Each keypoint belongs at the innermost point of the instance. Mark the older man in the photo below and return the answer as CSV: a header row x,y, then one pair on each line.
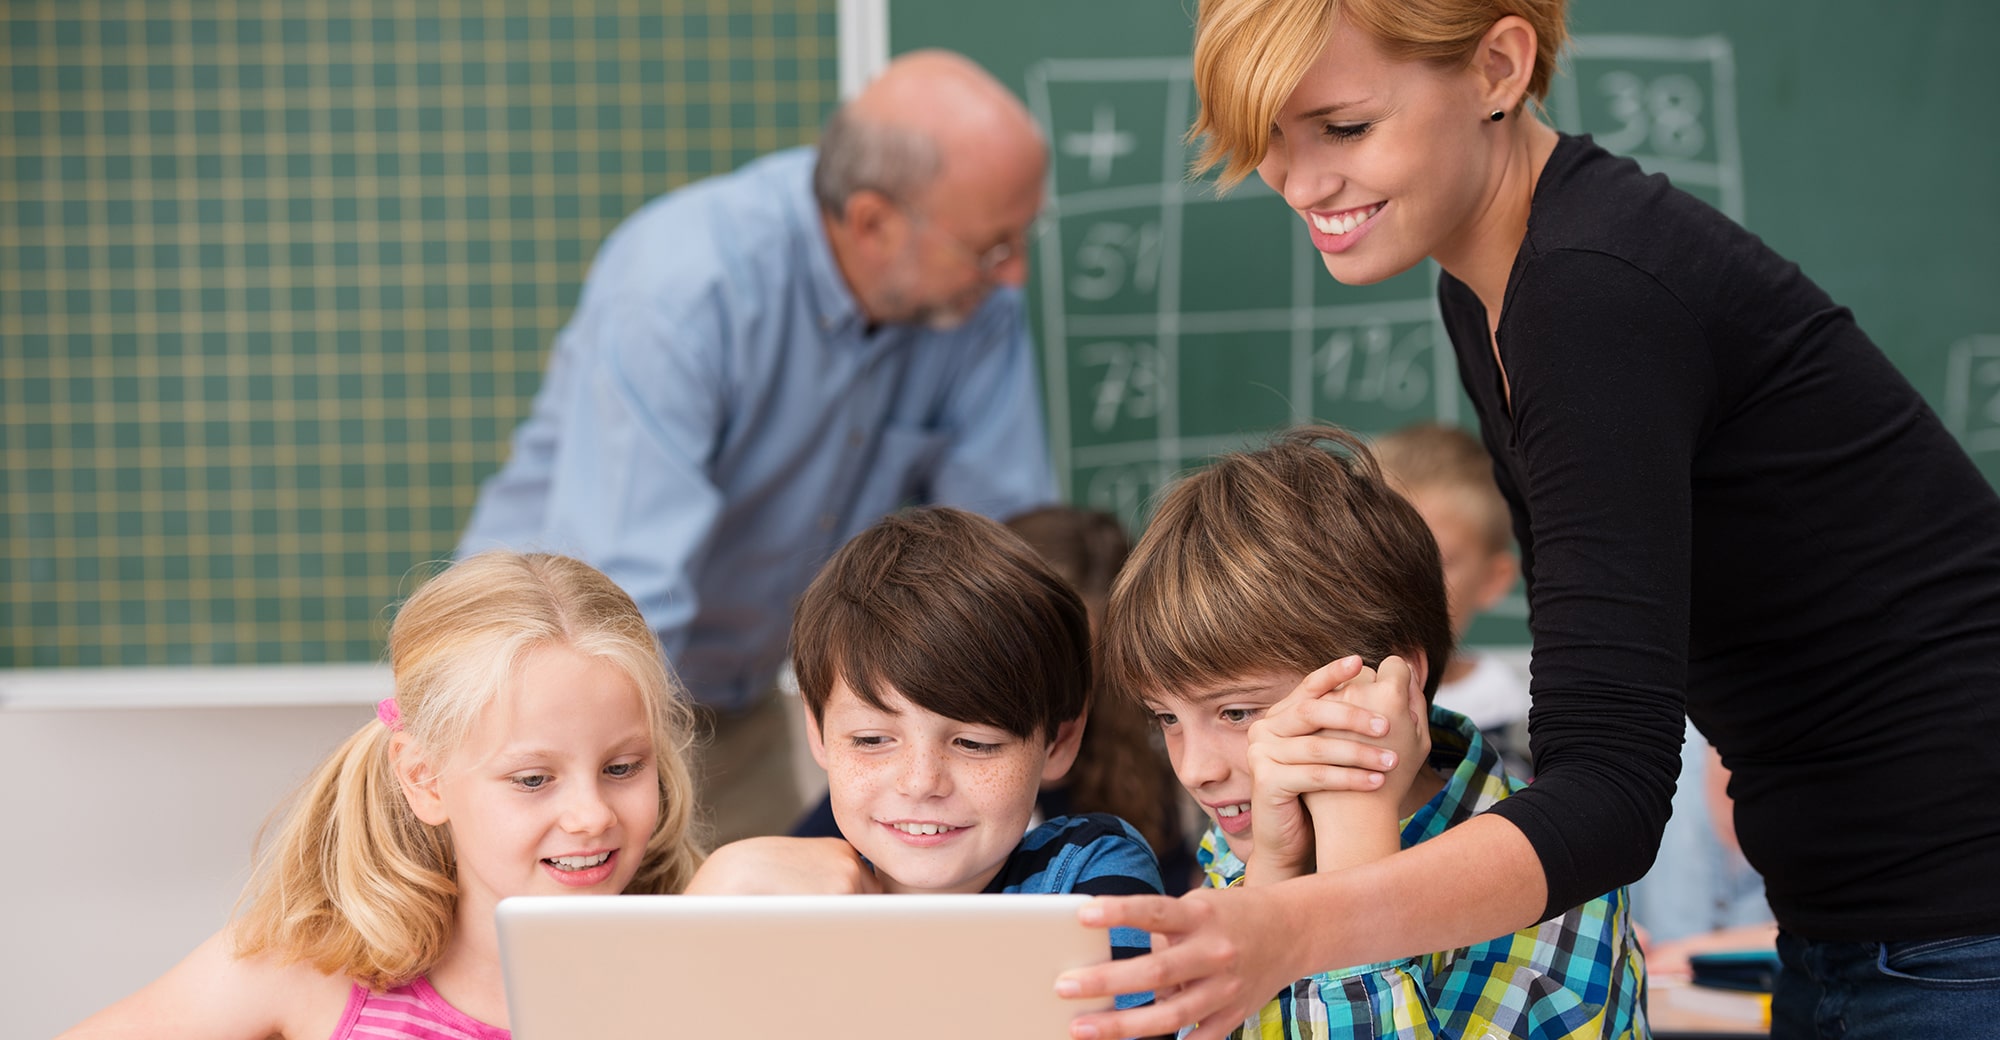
x,y
762,364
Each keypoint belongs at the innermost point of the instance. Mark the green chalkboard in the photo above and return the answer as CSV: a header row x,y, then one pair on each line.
x,y
277,279
1173,324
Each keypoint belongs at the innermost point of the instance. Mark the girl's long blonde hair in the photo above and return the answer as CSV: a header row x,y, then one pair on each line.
x,y
353,883
1250,54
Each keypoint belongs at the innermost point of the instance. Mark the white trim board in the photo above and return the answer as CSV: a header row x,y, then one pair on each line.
x,y
864,43
60,689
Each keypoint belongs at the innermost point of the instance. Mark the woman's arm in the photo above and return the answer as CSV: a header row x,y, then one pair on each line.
x,y
1613,393
1229,951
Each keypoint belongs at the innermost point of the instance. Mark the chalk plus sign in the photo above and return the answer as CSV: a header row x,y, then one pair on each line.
x,y
1104,143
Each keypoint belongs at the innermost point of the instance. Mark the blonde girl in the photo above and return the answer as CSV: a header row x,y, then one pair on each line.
x,y
1732,509
535,744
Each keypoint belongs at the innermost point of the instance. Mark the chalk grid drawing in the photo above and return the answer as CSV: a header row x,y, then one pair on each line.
x,y
1169,334
1972,397
1668,102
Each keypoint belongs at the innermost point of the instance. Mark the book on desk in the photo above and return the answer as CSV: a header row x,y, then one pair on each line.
x,y
1728,998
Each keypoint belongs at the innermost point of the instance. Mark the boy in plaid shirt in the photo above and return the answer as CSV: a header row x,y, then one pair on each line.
x,y
1250,575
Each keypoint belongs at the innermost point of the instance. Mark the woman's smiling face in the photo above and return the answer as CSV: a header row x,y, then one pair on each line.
x,y
1387,162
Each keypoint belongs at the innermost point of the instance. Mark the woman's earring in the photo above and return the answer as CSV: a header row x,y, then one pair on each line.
x,y
1498,115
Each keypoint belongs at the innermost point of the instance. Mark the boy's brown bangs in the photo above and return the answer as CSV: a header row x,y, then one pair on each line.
x,y
953,612
1281,559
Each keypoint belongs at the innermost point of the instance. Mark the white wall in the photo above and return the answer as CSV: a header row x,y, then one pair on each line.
x,y
128,833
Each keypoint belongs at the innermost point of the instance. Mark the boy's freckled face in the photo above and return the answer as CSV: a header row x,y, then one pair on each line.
x,y
1207,734
937,805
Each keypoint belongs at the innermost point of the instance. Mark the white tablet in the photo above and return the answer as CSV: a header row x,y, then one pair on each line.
x,y
973,967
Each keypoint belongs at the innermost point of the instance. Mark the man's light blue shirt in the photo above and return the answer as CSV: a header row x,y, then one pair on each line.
x,y
716,419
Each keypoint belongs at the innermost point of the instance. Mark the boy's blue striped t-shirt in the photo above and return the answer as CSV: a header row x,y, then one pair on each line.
x,y
1092,854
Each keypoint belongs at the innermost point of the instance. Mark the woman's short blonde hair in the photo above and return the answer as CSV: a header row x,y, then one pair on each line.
x,y
353,882
1250,54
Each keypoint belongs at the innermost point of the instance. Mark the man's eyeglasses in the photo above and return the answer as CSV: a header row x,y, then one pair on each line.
x,y
987,260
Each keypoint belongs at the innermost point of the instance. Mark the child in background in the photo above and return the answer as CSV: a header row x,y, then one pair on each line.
x,y
1119,769
535,745
1447,475
1253,572
945,671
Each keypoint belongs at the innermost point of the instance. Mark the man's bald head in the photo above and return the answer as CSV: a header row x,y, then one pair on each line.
x,y
929,185
931,116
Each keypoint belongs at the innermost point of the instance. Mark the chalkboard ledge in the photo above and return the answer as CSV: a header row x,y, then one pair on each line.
x,y
302,685
63,689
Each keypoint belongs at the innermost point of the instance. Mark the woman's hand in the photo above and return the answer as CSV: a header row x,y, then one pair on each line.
x,y
785,866
1218,955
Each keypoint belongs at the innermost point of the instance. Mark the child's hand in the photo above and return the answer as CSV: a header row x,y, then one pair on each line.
x,y
785,866
1393,693
1355,827
1324,748
1280,773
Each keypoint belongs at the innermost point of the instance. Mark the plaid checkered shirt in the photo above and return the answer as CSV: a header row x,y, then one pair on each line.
x,y
1578,976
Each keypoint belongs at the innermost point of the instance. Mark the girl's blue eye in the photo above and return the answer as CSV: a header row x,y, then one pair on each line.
x,y
1345,131
621,770
534,782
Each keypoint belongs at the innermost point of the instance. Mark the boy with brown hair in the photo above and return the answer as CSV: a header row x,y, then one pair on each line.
x,y
945,671
1251,575
1119,768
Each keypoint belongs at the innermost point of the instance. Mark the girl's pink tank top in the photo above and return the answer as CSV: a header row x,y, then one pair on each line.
x,y
409,1012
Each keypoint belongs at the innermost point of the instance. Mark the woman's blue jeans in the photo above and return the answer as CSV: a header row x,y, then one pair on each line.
x,y
1933,989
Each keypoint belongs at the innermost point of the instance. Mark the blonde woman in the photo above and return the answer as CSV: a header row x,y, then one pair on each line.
x,y
535,745
1728,501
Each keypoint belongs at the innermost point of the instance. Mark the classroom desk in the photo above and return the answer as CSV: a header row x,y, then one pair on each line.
x,y
1679,1010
